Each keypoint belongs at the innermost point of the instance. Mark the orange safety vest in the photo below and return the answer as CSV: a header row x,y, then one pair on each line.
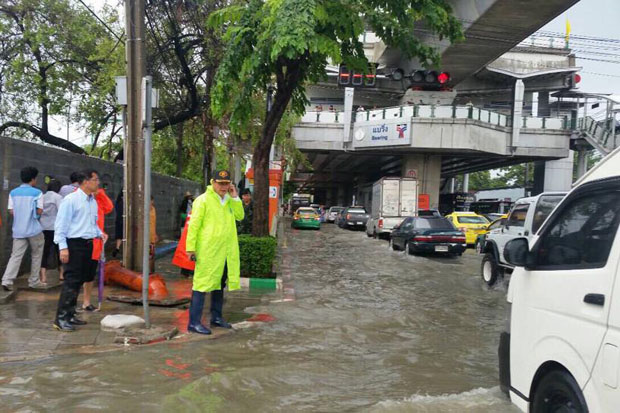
x,y
180,257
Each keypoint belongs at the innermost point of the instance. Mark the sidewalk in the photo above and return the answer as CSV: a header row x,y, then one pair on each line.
x,y
26,331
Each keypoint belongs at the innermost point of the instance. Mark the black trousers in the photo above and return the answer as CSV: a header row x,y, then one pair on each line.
x,y
81,268
50,258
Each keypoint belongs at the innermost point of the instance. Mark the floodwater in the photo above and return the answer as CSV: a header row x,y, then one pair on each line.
x,y
370,330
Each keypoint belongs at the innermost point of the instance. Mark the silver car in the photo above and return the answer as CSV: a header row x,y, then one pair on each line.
x,y
333,213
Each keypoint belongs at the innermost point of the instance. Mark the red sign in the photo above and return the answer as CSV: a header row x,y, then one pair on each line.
x,y
424,201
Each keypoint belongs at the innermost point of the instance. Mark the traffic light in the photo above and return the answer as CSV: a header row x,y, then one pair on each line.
x,y
348,77
428,79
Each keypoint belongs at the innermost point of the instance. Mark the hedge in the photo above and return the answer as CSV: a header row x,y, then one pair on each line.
x,y
257,255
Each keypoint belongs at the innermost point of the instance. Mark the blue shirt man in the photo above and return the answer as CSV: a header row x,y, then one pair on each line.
x,y
26,202
26,205
74,231
77,218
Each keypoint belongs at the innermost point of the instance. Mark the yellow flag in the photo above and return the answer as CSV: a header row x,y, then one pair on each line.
x,y
567,30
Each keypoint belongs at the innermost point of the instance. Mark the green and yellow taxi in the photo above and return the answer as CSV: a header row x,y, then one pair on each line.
x,y
470,223
306,217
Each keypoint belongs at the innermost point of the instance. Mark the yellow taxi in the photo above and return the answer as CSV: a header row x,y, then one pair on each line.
x,y
470,223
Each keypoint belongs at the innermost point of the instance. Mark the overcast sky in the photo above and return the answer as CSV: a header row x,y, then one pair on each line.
x,y
594,18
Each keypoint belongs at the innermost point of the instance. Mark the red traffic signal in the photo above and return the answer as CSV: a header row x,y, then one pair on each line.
x,y
428,79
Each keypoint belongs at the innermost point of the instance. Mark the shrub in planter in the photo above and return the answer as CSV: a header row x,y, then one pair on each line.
x,y
257,255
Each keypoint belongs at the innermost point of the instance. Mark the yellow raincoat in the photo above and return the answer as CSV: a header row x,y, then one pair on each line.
x,y
212,235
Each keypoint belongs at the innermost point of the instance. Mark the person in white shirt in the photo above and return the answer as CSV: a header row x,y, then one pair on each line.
x,y
51,203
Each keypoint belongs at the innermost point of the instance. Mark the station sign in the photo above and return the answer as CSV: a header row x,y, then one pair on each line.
x,y
382,133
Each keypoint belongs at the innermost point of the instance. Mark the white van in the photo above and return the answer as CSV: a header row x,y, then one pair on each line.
x,y
561,348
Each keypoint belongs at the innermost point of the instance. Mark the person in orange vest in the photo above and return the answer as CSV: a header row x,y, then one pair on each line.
x,y
104,207
180,258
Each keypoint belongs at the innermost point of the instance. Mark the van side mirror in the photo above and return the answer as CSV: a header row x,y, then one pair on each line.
x,y
517,252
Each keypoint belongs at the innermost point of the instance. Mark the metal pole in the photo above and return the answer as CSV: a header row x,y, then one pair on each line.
x,y
147,85
134,155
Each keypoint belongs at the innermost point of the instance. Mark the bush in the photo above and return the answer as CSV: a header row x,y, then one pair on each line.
x,y
257,255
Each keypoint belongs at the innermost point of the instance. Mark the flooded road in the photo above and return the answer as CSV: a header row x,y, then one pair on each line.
x,y
370,330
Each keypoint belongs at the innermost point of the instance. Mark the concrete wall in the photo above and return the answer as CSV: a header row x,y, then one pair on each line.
x,y
15,154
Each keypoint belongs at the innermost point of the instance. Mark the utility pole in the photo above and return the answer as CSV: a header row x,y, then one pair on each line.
x,y
134,144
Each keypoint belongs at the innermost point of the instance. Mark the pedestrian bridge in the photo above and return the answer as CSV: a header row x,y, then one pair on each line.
x,y
437,129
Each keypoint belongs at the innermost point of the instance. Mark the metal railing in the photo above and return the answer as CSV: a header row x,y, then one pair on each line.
x,y
436,112
603,135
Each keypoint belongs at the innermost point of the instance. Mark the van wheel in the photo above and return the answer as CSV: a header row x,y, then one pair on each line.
x,y
489,269
374,234
558,392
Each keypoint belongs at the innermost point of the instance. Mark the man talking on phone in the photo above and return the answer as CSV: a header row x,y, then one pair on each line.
x,y
212,243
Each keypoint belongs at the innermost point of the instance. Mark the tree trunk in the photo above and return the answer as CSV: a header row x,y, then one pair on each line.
x,y
179,130
209,136
260,159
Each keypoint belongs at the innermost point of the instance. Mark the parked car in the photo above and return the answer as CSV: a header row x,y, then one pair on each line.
x,y
560,351
427,234
332,214
470,223
353,217
306,217
481,239
525,218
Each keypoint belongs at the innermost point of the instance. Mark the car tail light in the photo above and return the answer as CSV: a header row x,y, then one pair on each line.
x,y
296,217
348,216
317,218
458,238
422,238
380,223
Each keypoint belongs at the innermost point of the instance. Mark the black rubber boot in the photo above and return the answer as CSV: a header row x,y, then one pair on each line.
x,y
195,314
217,304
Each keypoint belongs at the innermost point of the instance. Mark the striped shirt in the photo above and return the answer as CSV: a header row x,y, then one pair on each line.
x,y
24,201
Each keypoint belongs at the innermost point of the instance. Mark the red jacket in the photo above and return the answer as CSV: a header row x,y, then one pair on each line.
x,y
104,207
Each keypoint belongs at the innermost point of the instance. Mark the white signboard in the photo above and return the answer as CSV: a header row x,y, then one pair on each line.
x,y
382,133
273,192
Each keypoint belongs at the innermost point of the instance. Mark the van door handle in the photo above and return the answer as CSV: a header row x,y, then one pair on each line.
x,y
596,299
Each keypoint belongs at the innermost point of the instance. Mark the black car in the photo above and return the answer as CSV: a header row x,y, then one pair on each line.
x,y
428,234
429,213
352,217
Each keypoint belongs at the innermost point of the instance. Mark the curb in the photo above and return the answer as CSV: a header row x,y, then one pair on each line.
x,y
261,283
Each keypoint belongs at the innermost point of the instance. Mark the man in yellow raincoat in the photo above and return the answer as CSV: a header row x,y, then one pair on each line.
x,y
212,243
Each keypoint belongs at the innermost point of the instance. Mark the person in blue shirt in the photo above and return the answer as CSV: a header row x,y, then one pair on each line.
x,y
74,231
25,205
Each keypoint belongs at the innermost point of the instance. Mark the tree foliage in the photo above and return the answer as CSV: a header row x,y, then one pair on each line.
x,y
289,43
53,53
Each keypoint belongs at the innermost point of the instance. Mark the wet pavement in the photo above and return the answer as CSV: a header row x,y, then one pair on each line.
x,y
370,329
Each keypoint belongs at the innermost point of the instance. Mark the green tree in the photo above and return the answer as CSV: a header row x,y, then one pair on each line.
x,y
52,51
289,42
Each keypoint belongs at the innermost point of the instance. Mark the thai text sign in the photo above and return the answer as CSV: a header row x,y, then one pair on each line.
x,y
381,133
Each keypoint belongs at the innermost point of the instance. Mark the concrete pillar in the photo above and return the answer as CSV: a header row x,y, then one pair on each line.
x,y
466,183
535,104
428,170
342,197
544,109
559,174
517,111
452,185
582,163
